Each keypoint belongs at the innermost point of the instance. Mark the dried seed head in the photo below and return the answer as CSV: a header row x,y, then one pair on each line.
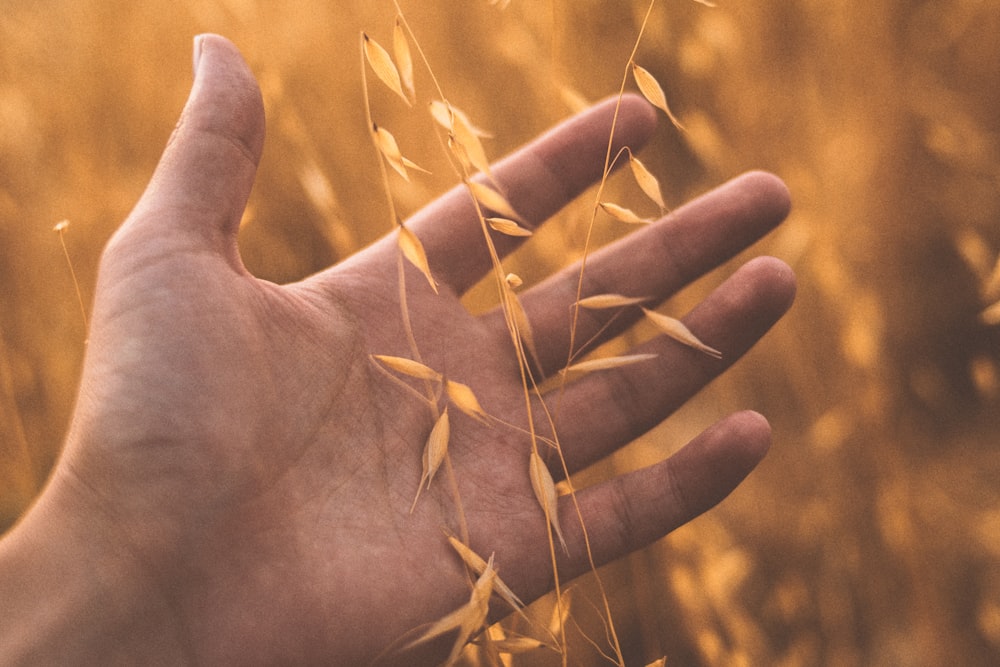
x,y
478,565
413,250
647,182
623,214
401,49
408,367
381,63
492,200
508,227
545,493
435,450
602,301
679,332
608,363
465,400
652,91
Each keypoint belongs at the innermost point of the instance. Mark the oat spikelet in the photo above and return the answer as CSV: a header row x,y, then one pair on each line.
x,y
508,643
662,662
408,367
413,250
652,91
464,399
492,200
521,322
517,644
472,152
445,113
434,452
401,49
478,565
560,614
603,301
508,227
387,146
608,363
545,492
679,332
381,63
623,214
647,182
513,280
466,619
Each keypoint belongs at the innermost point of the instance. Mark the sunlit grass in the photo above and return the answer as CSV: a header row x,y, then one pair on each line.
x,y
869,536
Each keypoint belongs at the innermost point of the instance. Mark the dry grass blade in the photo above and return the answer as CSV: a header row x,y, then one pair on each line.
x,y
413,250
608,363
463,398
478,565
492,200
60,229
434,452
401,49
676,330
623,214
707,3
466,619
381,63
647,182
545,492
508,227
408,367
652,91
604,301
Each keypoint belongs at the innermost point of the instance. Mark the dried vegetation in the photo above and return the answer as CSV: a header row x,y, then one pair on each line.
x,y
872,533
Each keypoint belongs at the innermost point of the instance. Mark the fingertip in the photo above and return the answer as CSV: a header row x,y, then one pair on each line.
x,y
226,93
711,466
754,432
777,279
203,180
639,116
769,193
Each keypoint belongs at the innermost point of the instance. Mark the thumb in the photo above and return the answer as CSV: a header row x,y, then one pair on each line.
x,y
200,187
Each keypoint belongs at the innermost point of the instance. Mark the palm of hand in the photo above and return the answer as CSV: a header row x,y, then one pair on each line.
x,y
262,469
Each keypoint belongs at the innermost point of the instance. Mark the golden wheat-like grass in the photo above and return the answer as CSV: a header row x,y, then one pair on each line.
x,y
880,492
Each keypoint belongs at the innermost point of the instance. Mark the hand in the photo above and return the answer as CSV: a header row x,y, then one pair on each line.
x,y
237,481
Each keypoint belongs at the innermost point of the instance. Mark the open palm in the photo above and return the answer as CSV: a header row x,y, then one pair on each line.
x,y
238,446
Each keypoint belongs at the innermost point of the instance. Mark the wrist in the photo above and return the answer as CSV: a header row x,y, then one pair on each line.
x,y
70,594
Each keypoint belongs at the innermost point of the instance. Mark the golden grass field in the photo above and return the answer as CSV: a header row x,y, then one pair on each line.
x,y
871,533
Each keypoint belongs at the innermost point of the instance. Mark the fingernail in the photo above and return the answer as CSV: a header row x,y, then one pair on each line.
x,y
198,40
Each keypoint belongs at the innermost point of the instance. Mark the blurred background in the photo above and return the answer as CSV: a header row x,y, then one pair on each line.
x,y
871,534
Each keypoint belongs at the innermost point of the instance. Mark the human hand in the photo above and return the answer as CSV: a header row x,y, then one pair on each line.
x,y
239,475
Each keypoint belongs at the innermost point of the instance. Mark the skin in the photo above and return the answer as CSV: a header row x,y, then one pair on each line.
x,y
237,480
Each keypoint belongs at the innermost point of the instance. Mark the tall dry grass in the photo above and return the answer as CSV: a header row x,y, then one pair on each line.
x,y
871,534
